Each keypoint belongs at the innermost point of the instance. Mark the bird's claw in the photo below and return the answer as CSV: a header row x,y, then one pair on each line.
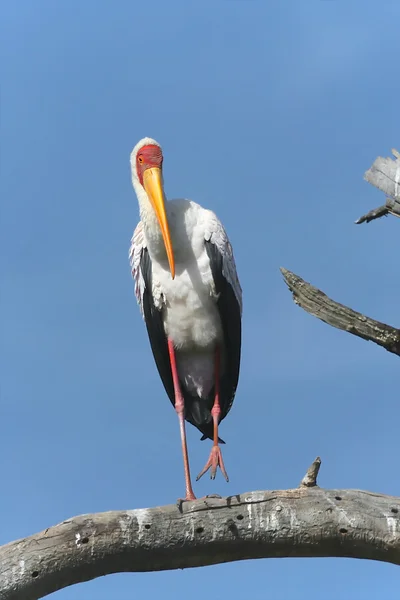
x,y
180,501
215,460
189,497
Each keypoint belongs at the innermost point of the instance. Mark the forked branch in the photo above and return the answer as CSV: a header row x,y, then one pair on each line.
x,y
318,304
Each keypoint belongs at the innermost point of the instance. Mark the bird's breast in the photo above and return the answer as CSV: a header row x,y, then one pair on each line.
x,y
190,313
188,302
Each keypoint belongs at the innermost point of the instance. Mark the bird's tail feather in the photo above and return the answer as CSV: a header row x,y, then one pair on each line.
x,y
210,437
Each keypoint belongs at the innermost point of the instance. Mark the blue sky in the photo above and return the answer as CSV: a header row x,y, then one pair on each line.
x,y
268,113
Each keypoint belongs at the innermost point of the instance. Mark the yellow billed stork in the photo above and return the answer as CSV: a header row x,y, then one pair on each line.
x,y
191,301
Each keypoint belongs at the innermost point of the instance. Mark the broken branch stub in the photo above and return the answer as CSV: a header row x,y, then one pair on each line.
x,y
310,478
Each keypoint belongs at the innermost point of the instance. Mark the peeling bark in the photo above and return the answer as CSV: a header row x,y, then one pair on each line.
x,y
318,304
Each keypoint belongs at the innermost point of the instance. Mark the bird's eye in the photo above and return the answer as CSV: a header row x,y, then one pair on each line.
x,y
140,159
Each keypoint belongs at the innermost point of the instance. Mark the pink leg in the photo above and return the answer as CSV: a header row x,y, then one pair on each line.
x,y
180,409
215,460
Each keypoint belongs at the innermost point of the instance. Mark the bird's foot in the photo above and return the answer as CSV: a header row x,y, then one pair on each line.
x,y
215,460
180,501
189,496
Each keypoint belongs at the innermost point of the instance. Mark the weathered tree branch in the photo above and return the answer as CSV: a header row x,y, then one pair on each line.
x,y
318,304
385,175
307,521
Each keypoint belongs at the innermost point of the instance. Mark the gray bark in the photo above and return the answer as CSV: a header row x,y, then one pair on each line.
x,y
307,521
385,175
318,304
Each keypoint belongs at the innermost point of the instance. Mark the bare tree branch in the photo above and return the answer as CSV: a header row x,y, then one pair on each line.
x,y
318,304
385,175
307,521
375,213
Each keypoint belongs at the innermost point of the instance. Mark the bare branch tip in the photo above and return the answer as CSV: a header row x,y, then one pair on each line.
x,y
310,478
284,272
289,277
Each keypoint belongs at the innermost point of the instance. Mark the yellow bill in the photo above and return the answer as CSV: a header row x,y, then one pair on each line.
x,y
152,183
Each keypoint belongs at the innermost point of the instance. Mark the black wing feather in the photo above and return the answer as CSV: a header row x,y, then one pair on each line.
x,y
155,328
231,319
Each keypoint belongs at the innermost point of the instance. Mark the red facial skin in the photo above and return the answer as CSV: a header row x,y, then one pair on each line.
x,y
147,157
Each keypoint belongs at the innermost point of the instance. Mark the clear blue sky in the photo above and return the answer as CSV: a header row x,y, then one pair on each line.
x,y
269,113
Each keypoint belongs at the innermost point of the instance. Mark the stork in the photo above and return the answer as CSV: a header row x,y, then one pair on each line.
x,y
190,298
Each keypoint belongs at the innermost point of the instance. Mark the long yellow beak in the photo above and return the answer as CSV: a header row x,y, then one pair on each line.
x,y
152,183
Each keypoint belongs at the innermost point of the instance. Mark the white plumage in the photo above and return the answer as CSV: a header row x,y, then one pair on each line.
x,y
188,302
189,305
